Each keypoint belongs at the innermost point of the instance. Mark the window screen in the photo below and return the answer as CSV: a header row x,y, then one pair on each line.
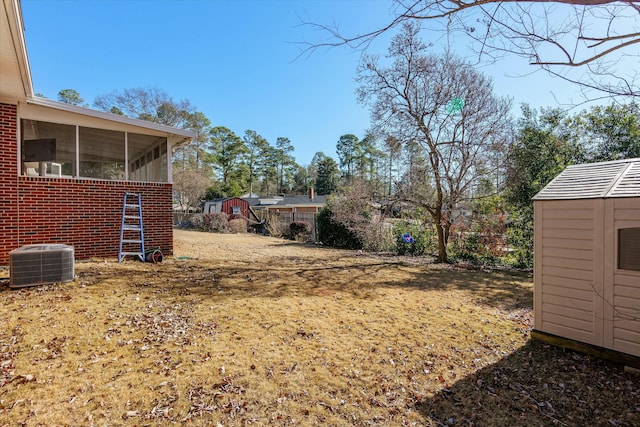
x,y
48,149
629,249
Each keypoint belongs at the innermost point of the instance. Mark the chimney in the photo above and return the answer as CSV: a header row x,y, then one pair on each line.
x,y
311,196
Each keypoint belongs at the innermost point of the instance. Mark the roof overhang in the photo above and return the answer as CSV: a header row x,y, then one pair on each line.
x,y
15,73
88,117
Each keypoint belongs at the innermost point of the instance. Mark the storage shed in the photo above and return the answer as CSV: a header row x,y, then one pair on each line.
x,y
235,207
587,259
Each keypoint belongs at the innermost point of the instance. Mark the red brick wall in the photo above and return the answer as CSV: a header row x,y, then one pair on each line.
x,y
80,212
8,180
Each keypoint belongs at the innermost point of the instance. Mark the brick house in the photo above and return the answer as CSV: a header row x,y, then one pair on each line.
x,y
289,208
64,169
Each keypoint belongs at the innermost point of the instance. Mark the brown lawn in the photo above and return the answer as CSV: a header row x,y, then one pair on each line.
x,y
251,330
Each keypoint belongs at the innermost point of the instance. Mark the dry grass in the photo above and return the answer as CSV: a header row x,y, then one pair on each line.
x,y
256,330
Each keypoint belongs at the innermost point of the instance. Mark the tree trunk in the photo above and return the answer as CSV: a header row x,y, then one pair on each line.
x,y
442,241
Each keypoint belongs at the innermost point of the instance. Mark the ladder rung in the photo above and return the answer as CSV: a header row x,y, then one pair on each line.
x,y
132,241
132,227
132,253
131,217
130,206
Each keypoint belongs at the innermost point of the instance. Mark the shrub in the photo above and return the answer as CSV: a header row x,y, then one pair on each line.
x,y
238,225
271,224
333,233
423,242
300,230
466,247
520,238
216,222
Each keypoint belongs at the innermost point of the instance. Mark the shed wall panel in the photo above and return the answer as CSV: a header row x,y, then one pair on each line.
x,y
570,224
628,324
561,253
564,282
569,322
622,302
567,213
627,347
631,203
564,233
567,331
626,214
566,274
567,243
568,262
568,302
631,292
555,307
576,294
627,344
624,285
622,279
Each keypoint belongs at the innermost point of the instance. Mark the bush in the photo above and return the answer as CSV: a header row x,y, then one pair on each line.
x,y
520,238
423,242
215,222
272,226
238,225
466,247
475,248
333,233
300,231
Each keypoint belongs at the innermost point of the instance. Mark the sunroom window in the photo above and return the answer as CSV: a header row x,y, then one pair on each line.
x,y
147,158
48,149
101,153
57,150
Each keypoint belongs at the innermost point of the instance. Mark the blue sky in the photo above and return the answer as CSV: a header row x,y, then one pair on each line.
x,y
235,61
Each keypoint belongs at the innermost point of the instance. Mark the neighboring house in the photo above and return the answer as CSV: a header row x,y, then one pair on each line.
x,y
235,207
64,169
295,208
288,209
587,260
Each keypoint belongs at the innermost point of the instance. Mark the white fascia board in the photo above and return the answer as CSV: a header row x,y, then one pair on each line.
x,y
184,133
13,10
25,68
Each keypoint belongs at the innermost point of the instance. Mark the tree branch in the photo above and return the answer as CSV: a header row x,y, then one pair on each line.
x,y
513,27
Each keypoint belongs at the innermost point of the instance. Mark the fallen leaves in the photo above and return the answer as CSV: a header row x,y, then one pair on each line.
x,y
278,333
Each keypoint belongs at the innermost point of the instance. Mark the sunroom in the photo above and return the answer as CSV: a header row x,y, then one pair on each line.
x,y
59,140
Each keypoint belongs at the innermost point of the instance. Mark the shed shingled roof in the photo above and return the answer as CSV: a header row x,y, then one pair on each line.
x,y
619,178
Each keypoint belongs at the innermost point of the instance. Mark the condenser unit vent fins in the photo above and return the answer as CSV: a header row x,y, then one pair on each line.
x,y
41,264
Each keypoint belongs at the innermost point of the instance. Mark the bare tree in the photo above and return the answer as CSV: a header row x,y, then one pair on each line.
x,y
581,41
446,107
151,104
189,188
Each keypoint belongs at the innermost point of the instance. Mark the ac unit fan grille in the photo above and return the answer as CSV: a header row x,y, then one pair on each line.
x,y
40,264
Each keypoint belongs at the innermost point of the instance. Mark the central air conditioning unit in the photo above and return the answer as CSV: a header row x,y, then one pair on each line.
x,y
41,264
